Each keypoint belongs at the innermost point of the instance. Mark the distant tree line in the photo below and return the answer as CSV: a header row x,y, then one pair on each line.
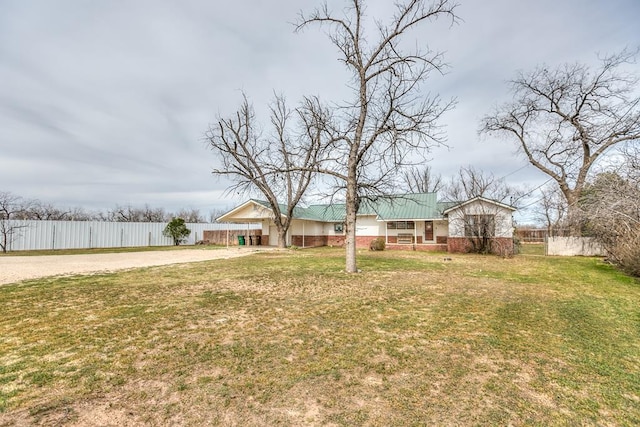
x,y
14,207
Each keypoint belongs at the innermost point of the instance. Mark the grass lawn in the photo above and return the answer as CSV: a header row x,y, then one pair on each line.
x,y
287,338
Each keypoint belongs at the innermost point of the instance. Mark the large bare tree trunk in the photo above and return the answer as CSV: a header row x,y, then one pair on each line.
x,y
350,225
573,212
282,240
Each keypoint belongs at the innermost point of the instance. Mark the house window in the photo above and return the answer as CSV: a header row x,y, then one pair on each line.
x,y
338,227
401,225
479,225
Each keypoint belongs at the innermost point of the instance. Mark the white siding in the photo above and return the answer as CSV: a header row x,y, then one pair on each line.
x,y
440,228
369,226
35,235
306,228
503,218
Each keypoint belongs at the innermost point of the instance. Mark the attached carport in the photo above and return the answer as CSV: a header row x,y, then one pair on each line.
x,y
254,212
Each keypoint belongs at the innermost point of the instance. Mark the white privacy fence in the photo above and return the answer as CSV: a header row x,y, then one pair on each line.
x,y
572,246
34,235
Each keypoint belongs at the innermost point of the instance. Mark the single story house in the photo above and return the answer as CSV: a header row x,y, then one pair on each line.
x,y
417,221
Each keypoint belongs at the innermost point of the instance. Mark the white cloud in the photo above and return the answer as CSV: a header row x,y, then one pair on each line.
x,y
105,103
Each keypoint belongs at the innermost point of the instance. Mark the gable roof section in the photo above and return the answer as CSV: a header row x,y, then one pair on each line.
x,y
478,199
234,214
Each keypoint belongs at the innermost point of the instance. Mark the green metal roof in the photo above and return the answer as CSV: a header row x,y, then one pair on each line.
x,y
417,206
326,213
404,207
398,207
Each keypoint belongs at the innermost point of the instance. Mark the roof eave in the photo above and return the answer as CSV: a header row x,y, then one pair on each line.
x,y
479,198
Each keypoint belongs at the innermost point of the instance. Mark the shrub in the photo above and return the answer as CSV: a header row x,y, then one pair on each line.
x,y
377,244
177,230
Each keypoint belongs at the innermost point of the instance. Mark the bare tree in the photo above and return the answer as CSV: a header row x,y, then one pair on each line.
x,y
125,214
631,155
46,212
191,215
12,208
480,228
81,214
149,214
134,214
388,119
611,211
278,166
422,180
551,210
565,119
470,182
216,213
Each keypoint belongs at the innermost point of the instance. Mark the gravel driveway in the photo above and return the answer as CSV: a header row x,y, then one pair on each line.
x,y
18,268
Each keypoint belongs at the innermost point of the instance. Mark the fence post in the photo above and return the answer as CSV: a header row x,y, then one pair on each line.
x,y
53,237
546,245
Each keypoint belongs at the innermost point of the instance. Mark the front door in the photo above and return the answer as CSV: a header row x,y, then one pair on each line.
x,y
428,231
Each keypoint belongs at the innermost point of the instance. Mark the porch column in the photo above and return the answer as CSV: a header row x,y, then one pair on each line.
x,y
386,233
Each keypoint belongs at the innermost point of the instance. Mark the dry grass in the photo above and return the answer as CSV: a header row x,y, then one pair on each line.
x,y
286,338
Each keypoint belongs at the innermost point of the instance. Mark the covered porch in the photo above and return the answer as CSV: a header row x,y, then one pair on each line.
x,y
420,234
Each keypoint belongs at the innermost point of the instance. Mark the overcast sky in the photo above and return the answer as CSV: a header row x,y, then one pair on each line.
x,y
106,102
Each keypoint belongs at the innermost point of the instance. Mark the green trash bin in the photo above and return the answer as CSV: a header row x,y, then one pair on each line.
x,y
241,240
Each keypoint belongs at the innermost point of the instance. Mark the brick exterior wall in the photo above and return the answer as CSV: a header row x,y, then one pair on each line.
x,y
394,239
499,245
335,240
426,248
309,241
365,241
